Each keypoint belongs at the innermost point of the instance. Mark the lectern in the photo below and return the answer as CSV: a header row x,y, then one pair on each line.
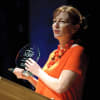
x,y
10,90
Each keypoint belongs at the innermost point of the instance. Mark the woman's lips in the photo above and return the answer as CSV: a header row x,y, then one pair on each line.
x,y
56,31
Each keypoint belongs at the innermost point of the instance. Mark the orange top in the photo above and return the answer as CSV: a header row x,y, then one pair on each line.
x,y
73,60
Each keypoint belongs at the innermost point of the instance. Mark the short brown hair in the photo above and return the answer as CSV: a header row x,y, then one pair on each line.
x,y
74,14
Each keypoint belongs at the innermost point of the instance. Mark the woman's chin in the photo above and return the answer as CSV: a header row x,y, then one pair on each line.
x,y
57,36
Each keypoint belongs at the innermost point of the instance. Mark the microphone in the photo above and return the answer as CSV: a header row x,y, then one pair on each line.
x,y
25,73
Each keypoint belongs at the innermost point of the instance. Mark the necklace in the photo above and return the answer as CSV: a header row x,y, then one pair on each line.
x,y
59,53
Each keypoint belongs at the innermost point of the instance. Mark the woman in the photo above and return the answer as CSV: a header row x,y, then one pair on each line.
x,y
62,76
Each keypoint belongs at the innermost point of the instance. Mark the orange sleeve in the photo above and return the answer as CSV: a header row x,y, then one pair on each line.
x,y
74,61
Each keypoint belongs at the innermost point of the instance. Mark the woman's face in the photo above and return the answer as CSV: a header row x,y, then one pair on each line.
x,y
61,28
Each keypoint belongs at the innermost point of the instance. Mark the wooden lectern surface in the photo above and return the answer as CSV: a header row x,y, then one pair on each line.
x,y
12,91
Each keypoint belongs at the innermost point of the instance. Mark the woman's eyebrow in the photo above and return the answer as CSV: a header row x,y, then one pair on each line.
x,y
59,19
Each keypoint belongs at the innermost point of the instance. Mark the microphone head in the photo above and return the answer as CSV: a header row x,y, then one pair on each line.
x,y
11,69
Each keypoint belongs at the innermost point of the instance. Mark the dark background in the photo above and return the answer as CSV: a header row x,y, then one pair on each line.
x,y
22,21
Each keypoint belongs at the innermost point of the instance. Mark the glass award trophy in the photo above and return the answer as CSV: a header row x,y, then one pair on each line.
x,y
27,51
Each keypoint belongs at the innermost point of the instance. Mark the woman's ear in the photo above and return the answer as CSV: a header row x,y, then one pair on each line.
x,y
75,28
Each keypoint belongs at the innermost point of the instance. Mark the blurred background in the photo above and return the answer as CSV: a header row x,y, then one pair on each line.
x,y
24,21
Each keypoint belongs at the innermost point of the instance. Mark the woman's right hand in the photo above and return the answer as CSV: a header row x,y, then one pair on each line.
x,y
19,73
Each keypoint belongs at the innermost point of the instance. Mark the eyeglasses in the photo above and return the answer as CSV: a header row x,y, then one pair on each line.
x,y
62,22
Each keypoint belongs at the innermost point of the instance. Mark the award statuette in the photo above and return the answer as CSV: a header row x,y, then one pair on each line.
x,y
24,53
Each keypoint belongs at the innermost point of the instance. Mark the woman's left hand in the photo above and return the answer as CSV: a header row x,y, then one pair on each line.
x,y
32,66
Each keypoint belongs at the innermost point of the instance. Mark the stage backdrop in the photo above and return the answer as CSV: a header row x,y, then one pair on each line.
x,y
40,26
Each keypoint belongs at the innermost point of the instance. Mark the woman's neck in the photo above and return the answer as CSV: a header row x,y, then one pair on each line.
x,y
63,43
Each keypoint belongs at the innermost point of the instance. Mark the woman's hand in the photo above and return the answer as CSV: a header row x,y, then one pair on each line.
x,y
19,73
32,66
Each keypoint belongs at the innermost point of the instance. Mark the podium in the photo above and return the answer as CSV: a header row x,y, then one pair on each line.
x,y
10,90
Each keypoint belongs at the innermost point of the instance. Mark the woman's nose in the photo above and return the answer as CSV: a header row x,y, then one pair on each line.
x,y
57,24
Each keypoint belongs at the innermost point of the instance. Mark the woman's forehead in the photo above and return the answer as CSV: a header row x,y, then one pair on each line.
x,y
62,15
